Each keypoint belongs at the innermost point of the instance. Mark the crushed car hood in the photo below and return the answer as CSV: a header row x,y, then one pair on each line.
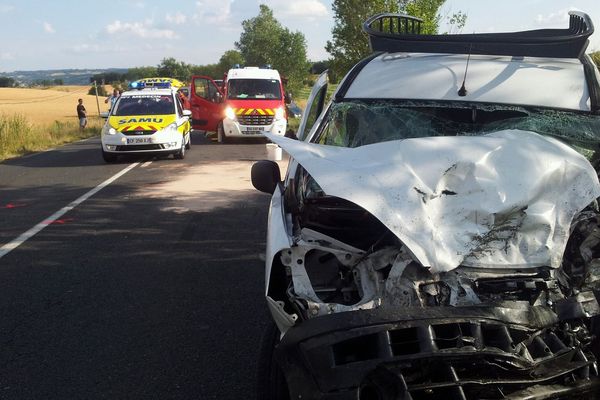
x,y
505,199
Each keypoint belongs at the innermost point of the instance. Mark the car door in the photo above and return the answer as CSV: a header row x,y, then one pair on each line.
x,y
310,117
182,120
206,101
314,106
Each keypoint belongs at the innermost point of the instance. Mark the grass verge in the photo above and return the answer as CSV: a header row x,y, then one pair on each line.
x,y
18,136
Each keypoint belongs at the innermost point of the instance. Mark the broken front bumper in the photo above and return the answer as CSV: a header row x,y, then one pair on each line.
x,y
472,352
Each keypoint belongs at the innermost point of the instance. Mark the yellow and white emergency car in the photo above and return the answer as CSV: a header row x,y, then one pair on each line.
x,y
149,118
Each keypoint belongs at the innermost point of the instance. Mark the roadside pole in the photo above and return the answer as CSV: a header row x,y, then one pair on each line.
x,y
97,101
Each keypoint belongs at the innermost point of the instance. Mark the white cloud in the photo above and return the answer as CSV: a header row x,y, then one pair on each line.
x,y
5,8
7,56
310,9
213,11
48,28
176,19
140,29
559,18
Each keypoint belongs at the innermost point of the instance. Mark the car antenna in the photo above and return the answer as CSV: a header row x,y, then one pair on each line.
x,y
462,92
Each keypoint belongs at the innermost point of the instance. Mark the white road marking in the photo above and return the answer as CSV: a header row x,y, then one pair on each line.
x,y
7,248
144,165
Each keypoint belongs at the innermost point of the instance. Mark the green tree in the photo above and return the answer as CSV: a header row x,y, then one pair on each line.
x,y
596,57
319,67
206,70
228,60
108,77
171,68
6,81
101,90
136,73
350,44
265,41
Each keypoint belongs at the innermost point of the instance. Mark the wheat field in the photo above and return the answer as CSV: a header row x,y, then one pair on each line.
x,y
45,106
36,119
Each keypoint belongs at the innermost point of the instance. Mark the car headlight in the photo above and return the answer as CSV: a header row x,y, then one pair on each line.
x,y
229,113
279,113
172,127
109,130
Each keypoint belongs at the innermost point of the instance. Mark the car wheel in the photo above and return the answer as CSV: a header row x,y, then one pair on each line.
x,y
595,331
109,157
270,382
180,155
221,138
189,141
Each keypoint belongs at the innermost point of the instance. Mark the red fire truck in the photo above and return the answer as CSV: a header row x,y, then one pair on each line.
x,y
250,102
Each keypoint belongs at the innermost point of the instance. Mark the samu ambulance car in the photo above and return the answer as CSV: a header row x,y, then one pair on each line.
x,y
149,118
250,103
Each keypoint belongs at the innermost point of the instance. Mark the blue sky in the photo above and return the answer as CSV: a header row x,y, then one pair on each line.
x,y
128,33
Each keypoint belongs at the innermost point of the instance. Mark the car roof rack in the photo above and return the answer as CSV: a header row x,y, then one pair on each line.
x,y
401,33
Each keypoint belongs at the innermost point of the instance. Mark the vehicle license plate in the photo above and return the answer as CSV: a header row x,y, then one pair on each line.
x,y
251,130
139,140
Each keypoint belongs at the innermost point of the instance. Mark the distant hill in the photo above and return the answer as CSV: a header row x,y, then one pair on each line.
x,y
68,76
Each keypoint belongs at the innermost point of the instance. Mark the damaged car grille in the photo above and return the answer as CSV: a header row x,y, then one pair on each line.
x,y
378,325
473,353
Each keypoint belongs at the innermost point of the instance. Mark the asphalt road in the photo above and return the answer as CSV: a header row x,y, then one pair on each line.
x,y
149,289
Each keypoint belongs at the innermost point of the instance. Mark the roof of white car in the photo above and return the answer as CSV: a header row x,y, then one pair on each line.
x,y
148,91
253,73
528,81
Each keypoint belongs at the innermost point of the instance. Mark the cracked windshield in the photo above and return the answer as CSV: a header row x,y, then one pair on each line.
x,y
359,123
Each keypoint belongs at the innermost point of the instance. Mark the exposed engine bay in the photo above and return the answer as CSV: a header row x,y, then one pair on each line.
x,y
480,333
477,330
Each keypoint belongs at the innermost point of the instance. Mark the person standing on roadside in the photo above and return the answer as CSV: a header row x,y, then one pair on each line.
x,y
112,98
81,114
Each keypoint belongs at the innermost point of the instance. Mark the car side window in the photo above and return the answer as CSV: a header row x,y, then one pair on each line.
x,y
179,107
315,109
212,92
206,89
201,88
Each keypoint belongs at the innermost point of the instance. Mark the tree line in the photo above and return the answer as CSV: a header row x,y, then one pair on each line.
x,y
264,40
6,81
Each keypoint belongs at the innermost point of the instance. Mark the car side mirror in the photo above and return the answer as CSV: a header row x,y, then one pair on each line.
x,y
291,134
187,113
287,97
104,114
265,176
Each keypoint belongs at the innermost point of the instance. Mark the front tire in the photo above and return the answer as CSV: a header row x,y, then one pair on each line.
x,y
221,138
270,382
189,142
180,155
109,157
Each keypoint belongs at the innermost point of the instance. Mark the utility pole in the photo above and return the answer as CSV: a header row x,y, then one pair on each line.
x,y
97,101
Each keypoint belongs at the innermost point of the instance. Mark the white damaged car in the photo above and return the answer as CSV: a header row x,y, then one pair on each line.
x,y
437,234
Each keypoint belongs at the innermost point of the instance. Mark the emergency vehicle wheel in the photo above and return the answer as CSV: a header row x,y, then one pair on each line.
x,y
221,138
271,384
109,157
189,142
180,155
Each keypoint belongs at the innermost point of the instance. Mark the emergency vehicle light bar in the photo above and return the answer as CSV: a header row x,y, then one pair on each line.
x,y
401,33
144,85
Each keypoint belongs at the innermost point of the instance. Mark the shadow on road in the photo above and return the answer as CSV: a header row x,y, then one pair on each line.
x,y
132,298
